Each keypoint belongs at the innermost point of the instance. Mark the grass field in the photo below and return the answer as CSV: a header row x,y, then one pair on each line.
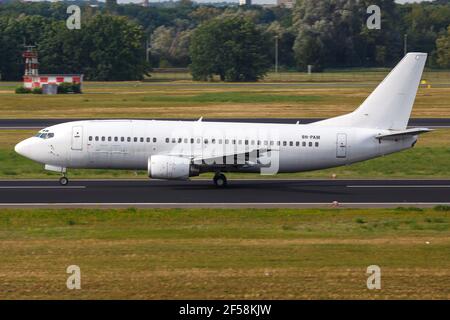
x,y
185,99
336,75
430,158
232,254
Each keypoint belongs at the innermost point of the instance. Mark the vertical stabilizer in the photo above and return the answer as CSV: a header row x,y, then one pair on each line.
x,y
389,105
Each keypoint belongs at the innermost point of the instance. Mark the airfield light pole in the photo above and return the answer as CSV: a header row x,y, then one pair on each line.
x,y
147,51
276,54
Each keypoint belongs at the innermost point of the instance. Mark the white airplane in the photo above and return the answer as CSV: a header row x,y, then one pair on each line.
x,y
181,149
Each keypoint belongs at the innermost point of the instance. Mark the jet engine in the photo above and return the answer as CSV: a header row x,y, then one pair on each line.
x,y
171,168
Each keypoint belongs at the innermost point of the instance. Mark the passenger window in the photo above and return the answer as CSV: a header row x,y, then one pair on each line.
x,y
116,139
174,140
233,141
272,143
96,138
206,141
185,140
253,142
239,141
213,141
266,142
128,139
284,143
154,139
122,139
278,143
180,140
310,144
246,142
303,144
317,144
103,138
198,140
109,138
297,144
192,140
135,139
220,141
148,139
167,140
291,143
90,138
226,141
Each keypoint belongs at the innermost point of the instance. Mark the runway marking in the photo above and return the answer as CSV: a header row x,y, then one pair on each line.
x,y
399,186
42,187
223,204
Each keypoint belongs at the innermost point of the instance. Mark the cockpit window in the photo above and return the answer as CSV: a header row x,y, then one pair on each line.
x,y
45,135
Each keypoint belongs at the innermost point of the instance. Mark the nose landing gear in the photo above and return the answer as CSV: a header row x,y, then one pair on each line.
x,y
64,181
220,180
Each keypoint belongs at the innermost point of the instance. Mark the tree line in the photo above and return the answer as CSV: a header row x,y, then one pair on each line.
x,y
235,43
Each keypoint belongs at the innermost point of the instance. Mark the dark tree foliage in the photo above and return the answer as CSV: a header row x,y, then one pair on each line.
x,y
111,42
334,34
232,48
105,48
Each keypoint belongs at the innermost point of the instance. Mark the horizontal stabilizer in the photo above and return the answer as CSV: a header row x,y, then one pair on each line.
x,y
408,132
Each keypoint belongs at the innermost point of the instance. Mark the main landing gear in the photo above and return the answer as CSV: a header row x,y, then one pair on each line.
x,y
220,180
64,181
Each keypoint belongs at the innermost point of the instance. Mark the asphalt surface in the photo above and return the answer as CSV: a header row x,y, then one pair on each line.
x,y
239,193
42,123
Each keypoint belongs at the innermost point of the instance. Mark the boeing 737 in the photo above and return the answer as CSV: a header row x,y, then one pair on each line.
x,y
179,150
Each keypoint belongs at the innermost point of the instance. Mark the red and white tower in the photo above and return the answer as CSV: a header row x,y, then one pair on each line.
x,y
31,61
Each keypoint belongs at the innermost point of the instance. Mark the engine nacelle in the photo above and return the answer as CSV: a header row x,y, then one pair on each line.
x,y
170,168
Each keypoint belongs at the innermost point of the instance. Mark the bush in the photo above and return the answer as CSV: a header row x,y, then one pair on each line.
x,y
22,90
36,90
76,88
67,87
64,87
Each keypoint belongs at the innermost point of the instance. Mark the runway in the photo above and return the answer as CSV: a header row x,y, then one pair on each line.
x,y
42,123
239,193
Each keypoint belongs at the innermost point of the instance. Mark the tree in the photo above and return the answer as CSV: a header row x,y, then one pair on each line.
x,y
170,46
14,33
443,50
114,49
285,39
334,33
231,47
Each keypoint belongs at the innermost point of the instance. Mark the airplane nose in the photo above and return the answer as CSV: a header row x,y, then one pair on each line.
x,y
19,148
23,148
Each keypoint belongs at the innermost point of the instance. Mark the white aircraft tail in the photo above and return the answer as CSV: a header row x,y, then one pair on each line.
x,y
389,105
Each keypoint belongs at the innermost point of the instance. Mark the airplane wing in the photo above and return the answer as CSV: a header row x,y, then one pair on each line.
x,y
408,132
255,157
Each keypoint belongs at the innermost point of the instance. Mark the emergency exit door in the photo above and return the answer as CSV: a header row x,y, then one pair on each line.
x,y
341,145
77,138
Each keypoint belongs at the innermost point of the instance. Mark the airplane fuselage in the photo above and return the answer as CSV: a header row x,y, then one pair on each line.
x,y
128,144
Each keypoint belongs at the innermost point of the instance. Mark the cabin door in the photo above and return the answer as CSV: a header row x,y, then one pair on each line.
x,y
341,145
77,138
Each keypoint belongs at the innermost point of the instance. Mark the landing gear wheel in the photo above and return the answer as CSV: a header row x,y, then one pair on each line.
x,y
63,181
220,180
